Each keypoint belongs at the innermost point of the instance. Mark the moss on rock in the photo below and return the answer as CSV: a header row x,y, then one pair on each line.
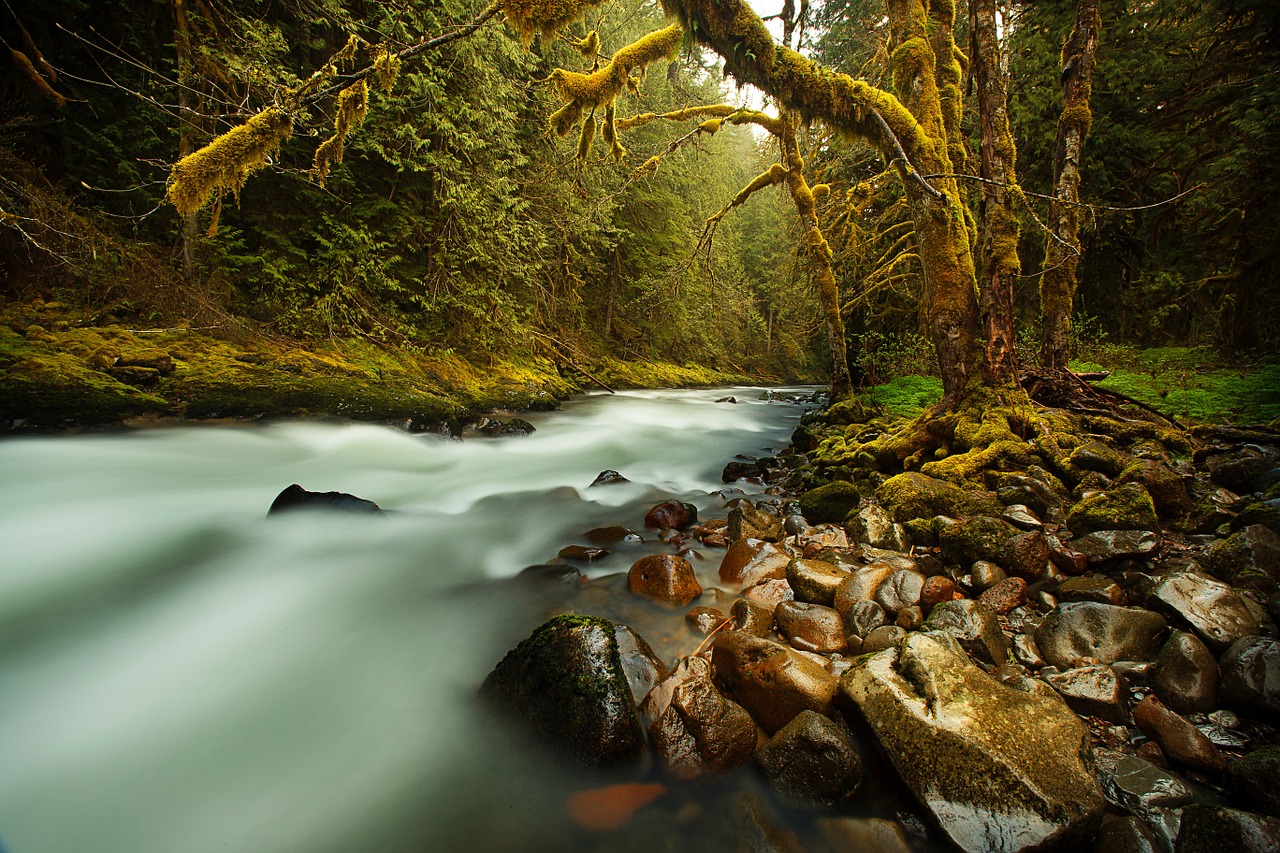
x,y
829,503
915,495
1126,507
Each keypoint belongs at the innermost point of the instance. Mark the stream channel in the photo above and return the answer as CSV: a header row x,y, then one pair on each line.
x,y
181,674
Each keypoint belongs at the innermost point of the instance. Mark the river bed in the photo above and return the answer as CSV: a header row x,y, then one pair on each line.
x,y
179,674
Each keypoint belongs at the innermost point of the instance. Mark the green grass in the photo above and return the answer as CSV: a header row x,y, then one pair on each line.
x,y
1178,384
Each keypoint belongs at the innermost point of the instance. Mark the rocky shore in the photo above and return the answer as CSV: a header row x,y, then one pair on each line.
x,y
1075,652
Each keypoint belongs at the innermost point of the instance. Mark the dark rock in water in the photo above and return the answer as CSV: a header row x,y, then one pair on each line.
x,y
704,620
607,478
727,400
770,680
582,552
671,515
735,471
1180,740
1186,676
1250,676
611,535
1127,835
746,562
1256,779
813,759
1092,691
694,729
1103,632
506,429
1000,770
566,683
1214,829
664,578
973,626
551,575
1216,612
296,497
810,627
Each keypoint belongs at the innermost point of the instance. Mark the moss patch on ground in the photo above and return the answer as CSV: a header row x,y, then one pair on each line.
x,y
1194,386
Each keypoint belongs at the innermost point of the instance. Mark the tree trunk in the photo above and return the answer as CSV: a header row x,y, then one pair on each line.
x,y
1000,266
1062,248
187,113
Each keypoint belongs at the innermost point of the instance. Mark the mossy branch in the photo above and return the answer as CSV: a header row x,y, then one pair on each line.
x,y
225,164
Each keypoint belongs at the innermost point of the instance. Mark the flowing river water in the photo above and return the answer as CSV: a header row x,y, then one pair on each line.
x,y
181,674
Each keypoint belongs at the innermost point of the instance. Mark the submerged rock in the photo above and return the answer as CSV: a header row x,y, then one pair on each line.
x,y
694,729
770,680
665,578
811,758
567,684
296,497
1000,770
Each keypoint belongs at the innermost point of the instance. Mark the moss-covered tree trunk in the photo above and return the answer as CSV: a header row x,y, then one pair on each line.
x,y
1062,248
999,267
819,257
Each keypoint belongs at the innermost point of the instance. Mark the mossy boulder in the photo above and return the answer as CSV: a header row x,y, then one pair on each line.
x,y
1126,507
829,503
915,495
1165,486
980,537
1252,552
1265,513
1097,456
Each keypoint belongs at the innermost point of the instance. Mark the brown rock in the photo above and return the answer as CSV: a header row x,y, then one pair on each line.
x,y
910,618
671,515
695,730
772,682
748,522
810,627
582,552
1005,596
751,618
704,620
665,578
611,535
936,590
749,561
1025,555
1180,740
814,580
769,594
861,585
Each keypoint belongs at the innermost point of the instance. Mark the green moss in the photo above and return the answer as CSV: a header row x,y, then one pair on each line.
x,y
915,495
1126,507
977,538
829,503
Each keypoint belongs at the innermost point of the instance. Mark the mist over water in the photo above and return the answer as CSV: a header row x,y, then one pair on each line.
x,y
179,673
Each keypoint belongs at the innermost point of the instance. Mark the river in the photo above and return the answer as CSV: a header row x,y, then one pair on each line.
x,y
181,674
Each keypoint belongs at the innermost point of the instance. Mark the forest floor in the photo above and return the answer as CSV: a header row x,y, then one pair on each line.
x,y
61,368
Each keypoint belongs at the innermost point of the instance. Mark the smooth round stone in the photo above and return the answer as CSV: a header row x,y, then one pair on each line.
x,y
1186,674
862,617
986,575
882,638
751,618
810,627
900,590
910,618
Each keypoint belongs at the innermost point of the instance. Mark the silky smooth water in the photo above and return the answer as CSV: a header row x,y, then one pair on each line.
x,y
181,674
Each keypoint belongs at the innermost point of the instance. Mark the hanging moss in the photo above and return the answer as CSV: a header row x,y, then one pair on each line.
x,y
587,137
386,67
348,113
589,46
601,88
24,64
547,17
224,164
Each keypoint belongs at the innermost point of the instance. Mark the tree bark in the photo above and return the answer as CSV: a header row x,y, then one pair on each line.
x,y
1000,266
1062,248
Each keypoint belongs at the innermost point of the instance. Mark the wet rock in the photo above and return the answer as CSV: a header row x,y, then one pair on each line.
x,y
1043,495
973,626
506,429
1214,611
1250,676
1021,517
1066,558
1180,740
861,585
704,620
611,535
749,561
978,538
1091,588
862,617
884,637
1093,691
936,590
735,471
998,769
1127,835
671,515
1186,674
566,683
810,627
869,524
1165,486
664,578
751,618
812,759
1027,652
608,478
829,503
641,667
1255,779
1102,632
985,575
864,835
1213,829
695,730
815,581
822,538
1240,469
771,681
747,521
1097,456
915,495
1254,550
1108,546
1142,789
1025,555
582,552
769,594
900,590
295,497
1004,596
1126,507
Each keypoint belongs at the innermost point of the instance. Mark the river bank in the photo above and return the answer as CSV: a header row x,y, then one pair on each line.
x,y
63,368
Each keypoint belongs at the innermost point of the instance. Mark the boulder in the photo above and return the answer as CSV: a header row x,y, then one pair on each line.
x,y
1179,740
978,538
1255,779
1186,675
810,627
769,594
986,574
829,503
1021,517
936,590
815,581
1142,789
582,552
1250,677
999,770
900,590
506,429
735,471
1107,546
973,625
869,524
748,561
1253,551
1025,554
1213,829
1097,456
915,495
746,521
566,684
751,618
640,665
1092,691
812,759
1241,468
608,478
664,578
695,730
1214,611
770,680
1102,632
862,617
1126,507
611,535
671,515
704,620
1165,486
1043,494
1127,835
861,585
295,497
